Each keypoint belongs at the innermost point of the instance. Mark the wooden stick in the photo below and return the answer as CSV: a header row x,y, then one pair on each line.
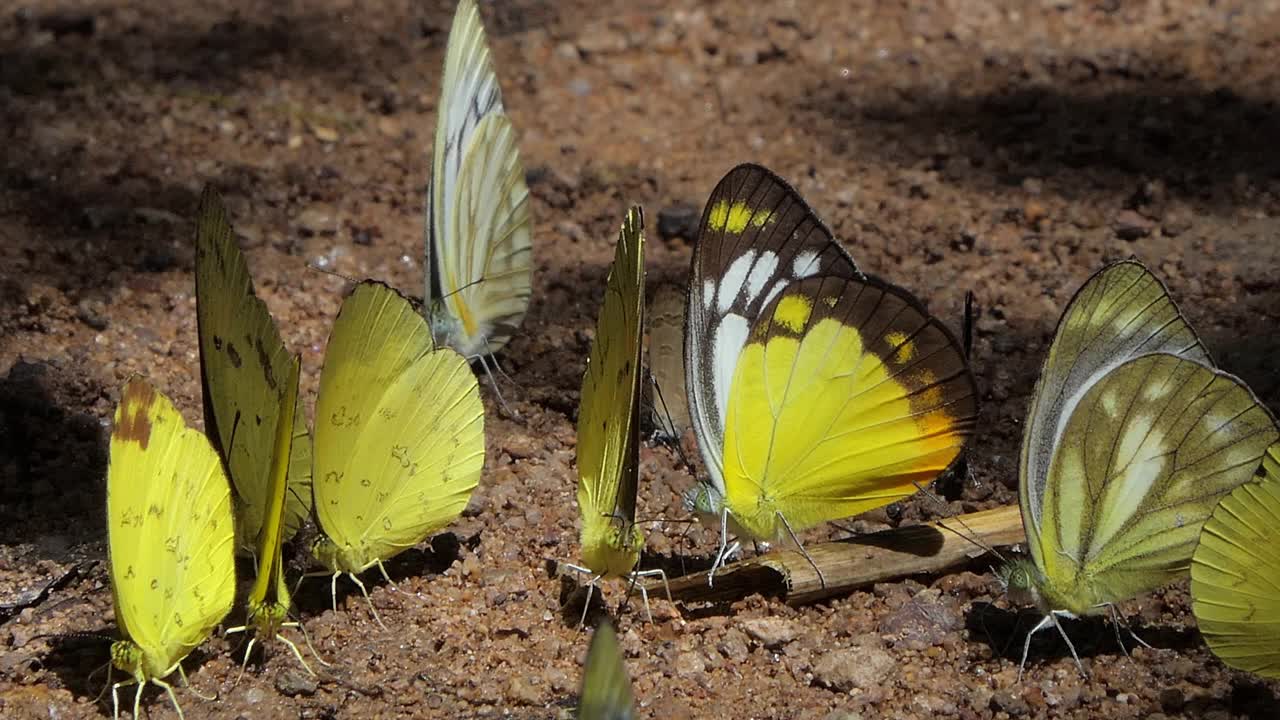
x,y
854,562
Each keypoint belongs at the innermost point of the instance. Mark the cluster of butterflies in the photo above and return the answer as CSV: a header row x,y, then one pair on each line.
x,y
814,390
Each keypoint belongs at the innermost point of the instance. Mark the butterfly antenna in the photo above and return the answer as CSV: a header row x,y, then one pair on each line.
x,y
333,273
968,534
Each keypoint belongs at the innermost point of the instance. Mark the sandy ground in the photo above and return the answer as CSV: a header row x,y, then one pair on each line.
x,y
1004,148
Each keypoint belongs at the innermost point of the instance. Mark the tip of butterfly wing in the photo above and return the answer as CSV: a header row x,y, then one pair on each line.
x,y
606,689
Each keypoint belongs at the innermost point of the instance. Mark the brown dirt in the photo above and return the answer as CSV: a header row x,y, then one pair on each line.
x,y
953,145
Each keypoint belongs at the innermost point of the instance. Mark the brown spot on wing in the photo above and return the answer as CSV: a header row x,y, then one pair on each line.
x,y
132,422
234,355
264,359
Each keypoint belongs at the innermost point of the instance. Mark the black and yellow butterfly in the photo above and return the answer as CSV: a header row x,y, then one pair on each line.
x,y
816,392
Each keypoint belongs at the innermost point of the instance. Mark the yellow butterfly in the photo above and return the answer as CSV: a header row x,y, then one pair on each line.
x,y
1131,439
399,435
478,250
242,364
1235,574
666,362
267,607
606,690
609,421
816,392
171,539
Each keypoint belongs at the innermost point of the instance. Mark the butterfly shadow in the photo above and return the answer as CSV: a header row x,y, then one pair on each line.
x,y
82,661
318,594
1004,631
52,459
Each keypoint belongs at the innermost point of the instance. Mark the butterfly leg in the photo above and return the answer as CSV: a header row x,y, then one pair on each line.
x,y
383,569
644,592
307,639
296,653
591,585
187,684
1062,631
115,697
721,555
493,381
1118,622
822,580
245,662
172,697
364,592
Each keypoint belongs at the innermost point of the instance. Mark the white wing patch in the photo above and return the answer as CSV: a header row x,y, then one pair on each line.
x,y
731,335
708,292
733,280
1146,446
761,273
805,264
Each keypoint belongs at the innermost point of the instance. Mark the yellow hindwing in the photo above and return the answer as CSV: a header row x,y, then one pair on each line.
x,y
1140,465
845,396
1235,574
399,432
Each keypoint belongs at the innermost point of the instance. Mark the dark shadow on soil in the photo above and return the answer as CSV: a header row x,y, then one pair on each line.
x,y
1004,631
110,64
316,594
1196,140
53,458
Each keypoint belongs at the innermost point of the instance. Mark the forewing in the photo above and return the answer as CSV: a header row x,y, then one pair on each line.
x,y
1235,574
478,222
1146,455
399,427
606,690
670,408
1123,311
243,364
608,431
756,236
170,530
485,263
847,395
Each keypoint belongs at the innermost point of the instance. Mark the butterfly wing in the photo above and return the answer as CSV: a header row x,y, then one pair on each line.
x,y
1235,574
269,592
479,252
170,533
399,430
1145,457
1123,311
243,362
608,422
666,361
606,690
847,394
757,235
